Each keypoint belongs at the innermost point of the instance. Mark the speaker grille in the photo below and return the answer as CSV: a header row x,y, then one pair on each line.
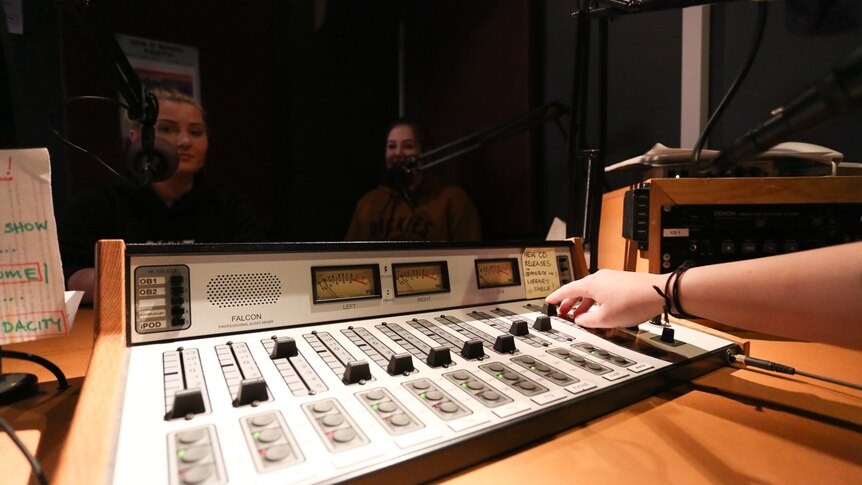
x,y
234,290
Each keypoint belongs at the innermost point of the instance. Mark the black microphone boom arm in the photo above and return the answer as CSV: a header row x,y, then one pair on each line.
x,y
473,141
148,162
837,93
142,106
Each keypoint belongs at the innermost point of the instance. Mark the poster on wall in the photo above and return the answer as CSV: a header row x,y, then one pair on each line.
x,y
161,64
14,16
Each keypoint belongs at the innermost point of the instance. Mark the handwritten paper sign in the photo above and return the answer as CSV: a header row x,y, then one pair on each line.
x,y
540,272
32,303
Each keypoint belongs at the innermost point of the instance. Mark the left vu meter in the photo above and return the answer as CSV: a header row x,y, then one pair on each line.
x,y
161,298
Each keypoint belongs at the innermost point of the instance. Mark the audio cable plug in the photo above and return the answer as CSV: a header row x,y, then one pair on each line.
x,y
734,357
762,364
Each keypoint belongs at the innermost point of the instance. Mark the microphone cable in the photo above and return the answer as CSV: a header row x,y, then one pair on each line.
x,y
734,357
62,385
704,167
34,463
52,123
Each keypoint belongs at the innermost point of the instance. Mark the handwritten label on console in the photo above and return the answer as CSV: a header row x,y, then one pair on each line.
x,y
32,305
540,272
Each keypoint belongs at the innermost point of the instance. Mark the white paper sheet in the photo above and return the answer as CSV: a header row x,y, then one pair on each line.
x,y
32,304
557,231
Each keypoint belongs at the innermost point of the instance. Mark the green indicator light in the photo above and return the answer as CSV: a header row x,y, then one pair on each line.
x,y
181,453
532,367
464,385
568,358
256,434
374,407
422,395
499,376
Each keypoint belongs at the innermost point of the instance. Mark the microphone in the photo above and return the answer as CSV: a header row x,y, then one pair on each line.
x,y
410,164
152,164
150,159
839,92
399,178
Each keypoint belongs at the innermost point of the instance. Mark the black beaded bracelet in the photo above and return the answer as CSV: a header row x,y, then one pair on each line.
x,y
676,276
672,282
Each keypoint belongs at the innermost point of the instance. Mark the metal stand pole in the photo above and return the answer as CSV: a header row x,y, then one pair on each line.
x,y
577,130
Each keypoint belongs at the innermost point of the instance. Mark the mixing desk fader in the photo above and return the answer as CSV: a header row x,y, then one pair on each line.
x,y
308,363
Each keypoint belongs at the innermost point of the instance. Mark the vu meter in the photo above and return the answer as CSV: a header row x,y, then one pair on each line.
x,y
493,273
337,283
416,278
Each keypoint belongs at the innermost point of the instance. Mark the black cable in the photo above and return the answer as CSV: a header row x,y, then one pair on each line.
x,y
763,8
829,379
53,117
34,463
58,373
784,369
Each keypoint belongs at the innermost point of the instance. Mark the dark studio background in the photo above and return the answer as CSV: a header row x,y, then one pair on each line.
x,y
298,111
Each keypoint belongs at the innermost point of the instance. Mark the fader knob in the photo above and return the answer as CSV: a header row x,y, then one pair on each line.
x,y
505,344
543,323
187,402
438,356
473,349
251,391
667,334
400,364
549,309
284,347
356,371
519,328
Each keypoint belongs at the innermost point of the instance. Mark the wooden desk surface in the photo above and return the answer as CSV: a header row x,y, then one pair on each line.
x,y
732,425
41,422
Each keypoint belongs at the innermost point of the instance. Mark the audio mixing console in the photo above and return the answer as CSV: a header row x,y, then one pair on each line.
x,y
307,363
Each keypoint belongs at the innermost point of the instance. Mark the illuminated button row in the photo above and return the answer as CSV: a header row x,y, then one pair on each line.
x,y
439,401
389,412
196,457
334,425
270,441
477,389
508,376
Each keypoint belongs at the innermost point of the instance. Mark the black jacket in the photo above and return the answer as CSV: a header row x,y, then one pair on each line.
x,y
137,215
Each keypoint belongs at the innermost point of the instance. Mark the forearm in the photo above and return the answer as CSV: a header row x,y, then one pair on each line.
x,y
812,295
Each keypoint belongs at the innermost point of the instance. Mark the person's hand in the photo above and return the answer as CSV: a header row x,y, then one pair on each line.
x,y
624,298
83,280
